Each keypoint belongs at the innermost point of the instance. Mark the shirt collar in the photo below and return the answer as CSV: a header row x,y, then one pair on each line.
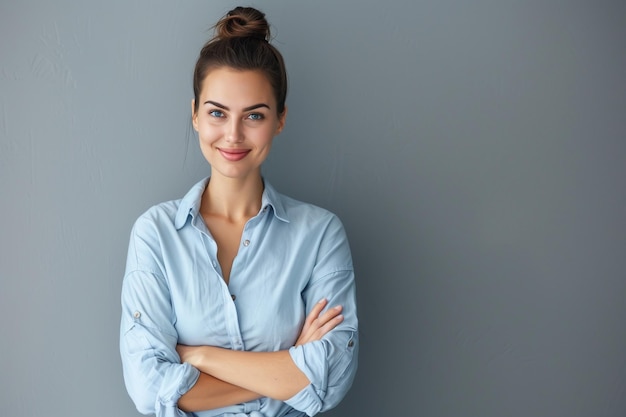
x,y
275,200
190,203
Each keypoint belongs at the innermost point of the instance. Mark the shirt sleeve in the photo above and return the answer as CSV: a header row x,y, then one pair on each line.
x,y
331,363
155,379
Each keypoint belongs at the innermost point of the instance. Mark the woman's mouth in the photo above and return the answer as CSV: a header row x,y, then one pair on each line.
x,y
234,154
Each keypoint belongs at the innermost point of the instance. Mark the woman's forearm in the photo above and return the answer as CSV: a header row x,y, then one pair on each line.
x,y
271,374
209,393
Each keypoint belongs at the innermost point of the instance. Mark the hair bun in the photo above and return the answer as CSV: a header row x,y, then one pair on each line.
x,y
243,22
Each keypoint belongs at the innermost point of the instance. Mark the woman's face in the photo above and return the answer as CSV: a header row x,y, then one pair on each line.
x,y
236,121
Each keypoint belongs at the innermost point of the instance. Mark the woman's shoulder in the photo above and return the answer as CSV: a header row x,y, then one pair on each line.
x,y
295,206
161,215
161,211
169,214
298,211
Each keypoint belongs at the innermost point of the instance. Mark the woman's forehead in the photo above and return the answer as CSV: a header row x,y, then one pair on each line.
x,y
230,84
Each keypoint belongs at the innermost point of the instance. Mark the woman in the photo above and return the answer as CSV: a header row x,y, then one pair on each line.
x,y
237,300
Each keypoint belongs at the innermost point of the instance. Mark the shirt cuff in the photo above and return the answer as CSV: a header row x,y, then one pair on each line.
x,y
306,400
176,382
309,399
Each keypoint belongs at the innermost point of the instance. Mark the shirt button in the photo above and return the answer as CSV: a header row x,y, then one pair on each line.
x,y
233,296
214,264
136,314
351,343
246,242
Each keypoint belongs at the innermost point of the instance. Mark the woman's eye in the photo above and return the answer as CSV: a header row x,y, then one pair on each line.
x,y
255,116
216,113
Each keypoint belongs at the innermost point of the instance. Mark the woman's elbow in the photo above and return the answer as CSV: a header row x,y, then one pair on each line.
x,y
144,401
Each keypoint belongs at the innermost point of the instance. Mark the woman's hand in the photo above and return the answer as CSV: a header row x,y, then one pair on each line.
x,y
316,325
191,354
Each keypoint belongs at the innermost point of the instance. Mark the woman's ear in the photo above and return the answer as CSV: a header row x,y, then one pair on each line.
x,y
281,121
194,115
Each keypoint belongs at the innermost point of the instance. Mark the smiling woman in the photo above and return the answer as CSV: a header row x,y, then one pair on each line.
x,y
237,121
238,300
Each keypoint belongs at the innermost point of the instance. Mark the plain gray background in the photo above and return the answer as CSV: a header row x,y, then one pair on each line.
x,y
476,152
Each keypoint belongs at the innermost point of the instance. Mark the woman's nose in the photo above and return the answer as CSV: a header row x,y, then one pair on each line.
x,y
234,133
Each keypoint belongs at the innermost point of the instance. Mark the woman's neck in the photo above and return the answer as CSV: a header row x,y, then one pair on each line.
x,y
233,199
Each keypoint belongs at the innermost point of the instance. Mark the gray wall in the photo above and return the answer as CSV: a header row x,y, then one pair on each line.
x,y
476,152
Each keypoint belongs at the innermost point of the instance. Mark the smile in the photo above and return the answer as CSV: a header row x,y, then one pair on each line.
x,y
234,154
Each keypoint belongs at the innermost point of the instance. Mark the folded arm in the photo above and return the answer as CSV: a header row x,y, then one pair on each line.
x,y
271,374
209,393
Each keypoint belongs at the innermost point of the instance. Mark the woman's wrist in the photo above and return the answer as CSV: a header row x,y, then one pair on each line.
x,y
204,359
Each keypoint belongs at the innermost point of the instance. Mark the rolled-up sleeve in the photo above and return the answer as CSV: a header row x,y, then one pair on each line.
x,y
155,379
330,363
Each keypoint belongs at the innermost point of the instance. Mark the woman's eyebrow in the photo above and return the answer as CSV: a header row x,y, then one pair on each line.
x,y
221,106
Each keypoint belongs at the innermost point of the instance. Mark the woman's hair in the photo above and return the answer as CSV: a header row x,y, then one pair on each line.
x,y
241,42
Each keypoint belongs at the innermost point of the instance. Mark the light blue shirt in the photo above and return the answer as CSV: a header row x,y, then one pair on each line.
x,y
292,254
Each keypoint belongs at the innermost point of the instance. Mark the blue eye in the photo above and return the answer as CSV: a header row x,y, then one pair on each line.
x,y
255,116
216,113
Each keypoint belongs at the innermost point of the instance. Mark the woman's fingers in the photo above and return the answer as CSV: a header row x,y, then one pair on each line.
x,y
317,325
310,319
315,311
330,319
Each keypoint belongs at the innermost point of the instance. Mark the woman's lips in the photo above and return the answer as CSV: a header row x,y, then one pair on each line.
x,y
234,154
